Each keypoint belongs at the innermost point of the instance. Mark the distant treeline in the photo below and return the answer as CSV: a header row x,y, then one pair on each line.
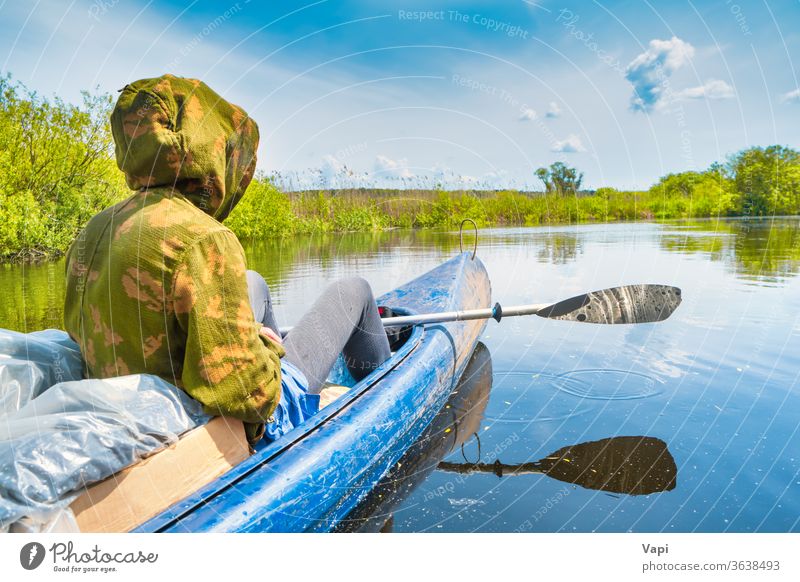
x,y
57,170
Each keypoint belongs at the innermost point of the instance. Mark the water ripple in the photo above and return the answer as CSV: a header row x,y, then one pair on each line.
x,y
538,401
609,384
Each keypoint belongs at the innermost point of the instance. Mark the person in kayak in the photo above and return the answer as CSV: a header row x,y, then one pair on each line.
x,y
157,284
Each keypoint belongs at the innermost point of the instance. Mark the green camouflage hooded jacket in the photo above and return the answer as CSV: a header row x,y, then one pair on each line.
x,y
156,284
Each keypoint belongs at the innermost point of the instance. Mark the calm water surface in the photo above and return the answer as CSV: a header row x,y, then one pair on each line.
x,y
718,382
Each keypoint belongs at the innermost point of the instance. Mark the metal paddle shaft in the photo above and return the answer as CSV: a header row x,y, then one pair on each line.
x,y
495,312
628,304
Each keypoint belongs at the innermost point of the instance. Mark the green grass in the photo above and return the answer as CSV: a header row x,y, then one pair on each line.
x,y
267,211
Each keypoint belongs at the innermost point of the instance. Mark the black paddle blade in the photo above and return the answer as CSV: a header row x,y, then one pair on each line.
x,y
634,465
629,304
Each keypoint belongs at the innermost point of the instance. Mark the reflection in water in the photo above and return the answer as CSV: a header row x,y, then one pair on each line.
x,y
275,259
32,296
559,248
762,250
454,424
766,251
634,465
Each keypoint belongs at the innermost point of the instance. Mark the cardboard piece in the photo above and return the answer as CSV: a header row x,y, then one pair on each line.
x,y
134,495
331,393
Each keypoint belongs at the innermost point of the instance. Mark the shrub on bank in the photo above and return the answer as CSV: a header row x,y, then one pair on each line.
x,y
56,170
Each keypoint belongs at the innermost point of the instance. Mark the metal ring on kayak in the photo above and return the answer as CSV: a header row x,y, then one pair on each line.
x,y
461,236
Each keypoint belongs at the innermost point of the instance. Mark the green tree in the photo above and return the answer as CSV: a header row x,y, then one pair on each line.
x,y
560,179
685,194
767,180
681,184
56,168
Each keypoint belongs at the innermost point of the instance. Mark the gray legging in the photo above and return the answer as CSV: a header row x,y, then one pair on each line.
x,y
343,320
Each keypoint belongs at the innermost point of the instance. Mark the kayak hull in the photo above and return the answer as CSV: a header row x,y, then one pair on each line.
x,y
314,476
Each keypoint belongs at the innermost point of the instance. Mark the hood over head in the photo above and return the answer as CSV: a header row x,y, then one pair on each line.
x,y
176,132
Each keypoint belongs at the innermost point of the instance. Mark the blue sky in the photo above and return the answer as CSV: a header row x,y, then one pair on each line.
x,y
415,92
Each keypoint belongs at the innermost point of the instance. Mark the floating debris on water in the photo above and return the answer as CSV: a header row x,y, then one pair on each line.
x,y
465,502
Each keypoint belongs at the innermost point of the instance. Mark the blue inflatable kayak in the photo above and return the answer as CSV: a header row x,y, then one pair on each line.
x,y
314,476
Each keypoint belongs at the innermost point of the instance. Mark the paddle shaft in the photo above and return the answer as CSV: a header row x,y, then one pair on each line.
x,y
495,312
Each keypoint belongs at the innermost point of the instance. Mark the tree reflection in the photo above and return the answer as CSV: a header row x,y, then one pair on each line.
x,y
32,296
764,250
559,248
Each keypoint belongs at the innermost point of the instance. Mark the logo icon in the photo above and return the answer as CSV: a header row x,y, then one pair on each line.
x,y
31,555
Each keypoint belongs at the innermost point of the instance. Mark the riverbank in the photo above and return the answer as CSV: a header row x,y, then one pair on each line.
x,y
267,212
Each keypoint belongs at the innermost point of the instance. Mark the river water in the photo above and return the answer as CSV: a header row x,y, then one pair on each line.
x,y
719,382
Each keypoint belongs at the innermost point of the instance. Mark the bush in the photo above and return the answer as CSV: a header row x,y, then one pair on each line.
x,y
56,169
263,211
22,225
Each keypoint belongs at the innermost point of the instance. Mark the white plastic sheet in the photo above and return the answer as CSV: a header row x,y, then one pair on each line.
x,y
31,363
75,433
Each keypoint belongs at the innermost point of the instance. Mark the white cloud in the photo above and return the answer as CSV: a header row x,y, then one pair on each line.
x,y
553,110
527,115
497,180
450,179
442,174
711,89
389,173
332,173
572,144
332,169
791,96
447,178
387,167
649,72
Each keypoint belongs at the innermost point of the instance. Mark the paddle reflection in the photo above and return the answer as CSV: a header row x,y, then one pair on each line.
x,y
634,465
